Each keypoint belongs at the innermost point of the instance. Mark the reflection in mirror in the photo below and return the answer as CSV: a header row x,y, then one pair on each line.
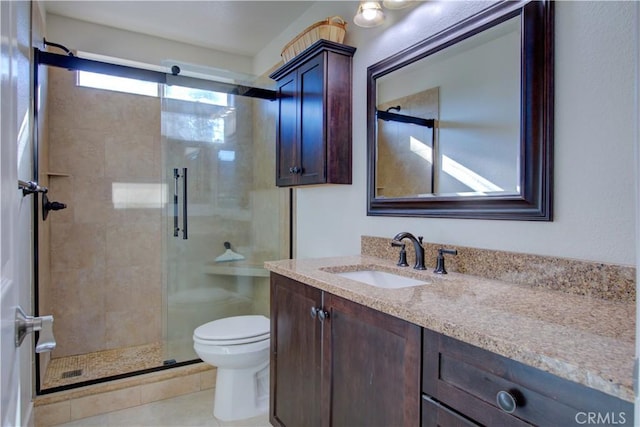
x,y
477,148
485,86
405,146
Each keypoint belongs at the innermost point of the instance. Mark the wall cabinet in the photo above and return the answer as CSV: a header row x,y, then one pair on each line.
x,y
482,387
313,133
337,363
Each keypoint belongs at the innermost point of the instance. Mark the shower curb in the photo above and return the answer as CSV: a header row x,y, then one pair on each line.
x,y
83,402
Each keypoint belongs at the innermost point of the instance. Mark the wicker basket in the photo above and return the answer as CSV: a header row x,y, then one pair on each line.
x,y
332,29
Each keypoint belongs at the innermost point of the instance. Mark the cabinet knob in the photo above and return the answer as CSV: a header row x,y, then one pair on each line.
x,y
506,401
314,312
322,315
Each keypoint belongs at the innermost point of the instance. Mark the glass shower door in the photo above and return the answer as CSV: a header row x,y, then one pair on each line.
x,y
217,204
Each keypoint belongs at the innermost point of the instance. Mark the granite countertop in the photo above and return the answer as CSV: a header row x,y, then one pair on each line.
x,y
587,340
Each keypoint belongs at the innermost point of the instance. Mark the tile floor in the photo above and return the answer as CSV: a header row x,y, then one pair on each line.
x,y
188,410
102,364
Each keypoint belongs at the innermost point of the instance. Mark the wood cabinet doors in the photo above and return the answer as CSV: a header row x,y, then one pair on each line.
x,y
371,367
344,365
313,136
301,138
295,354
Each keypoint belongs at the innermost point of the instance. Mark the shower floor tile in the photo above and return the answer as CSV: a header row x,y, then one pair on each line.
x,y
69,370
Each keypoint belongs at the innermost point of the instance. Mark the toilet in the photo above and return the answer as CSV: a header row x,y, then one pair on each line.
x,y
239,347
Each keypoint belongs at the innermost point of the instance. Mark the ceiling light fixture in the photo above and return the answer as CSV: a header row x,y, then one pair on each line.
x,y
369,14
396,4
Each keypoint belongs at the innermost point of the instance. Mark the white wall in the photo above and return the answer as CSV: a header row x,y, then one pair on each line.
x,y
99,39
594,140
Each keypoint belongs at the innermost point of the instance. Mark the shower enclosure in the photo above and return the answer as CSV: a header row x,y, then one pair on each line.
x,y
158,189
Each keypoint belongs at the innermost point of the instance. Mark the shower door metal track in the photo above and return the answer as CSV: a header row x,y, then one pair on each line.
x,y
83,64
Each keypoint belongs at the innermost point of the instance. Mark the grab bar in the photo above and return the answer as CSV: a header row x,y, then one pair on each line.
x,y
30,187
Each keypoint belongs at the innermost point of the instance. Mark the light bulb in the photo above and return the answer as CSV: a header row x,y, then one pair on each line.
x,y
369,14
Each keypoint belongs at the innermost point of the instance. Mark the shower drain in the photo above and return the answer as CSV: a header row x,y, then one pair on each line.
x,y
71,374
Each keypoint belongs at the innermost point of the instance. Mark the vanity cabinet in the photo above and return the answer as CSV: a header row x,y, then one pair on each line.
x,y
473,386
337,363
313,132
296,357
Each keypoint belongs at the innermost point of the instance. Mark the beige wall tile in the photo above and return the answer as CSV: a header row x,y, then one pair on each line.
x,y
77,246
133,244
131,327
101,137
132,156
53,414
170,388
76,298
105,402
79,152
134,286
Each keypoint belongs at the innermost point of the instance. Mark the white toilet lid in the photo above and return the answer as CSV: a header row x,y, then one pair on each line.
x,y
239,328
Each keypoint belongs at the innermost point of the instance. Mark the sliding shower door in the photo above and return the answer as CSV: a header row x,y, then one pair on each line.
x,y
223,217
171,212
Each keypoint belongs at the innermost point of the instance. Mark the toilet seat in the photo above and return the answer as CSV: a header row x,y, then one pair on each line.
x,y
233,330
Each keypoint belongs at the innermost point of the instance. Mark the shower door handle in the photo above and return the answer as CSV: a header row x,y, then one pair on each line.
x,y
184,204
176,228
176,176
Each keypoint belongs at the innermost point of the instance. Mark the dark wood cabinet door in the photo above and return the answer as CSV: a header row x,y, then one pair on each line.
x,y
312,124
286,128
371,367
295,354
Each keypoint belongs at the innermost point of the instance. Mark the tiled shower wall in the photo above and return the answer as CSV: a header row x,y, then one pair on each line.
x,y
105,262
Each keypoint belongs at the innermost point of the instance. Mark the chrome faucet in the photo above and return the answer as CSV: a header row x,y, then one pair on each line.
x,y
417,245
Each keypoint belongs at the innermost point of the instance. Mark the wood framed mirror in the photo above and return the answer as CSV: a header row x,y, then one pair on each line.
x,y
460,125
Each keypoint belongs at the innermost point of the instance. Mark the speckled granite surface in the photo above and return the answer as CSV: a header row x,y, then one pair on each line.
x,y
608,281
580,338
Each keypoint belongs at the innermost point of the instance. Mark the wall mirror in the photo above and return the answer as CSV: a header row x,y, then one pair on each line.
x,y
460,125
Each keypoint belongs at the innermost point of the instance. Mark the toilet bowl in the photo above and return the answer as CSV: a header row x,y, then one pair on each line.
x,y
239,347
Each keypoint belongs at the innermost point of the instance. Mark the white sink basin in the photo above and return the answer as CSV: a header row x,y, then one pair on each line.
x,y
382,279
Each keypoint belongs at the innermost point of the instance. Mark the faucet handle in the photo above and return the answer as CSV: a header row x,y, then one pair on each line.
x,y
440,269
402,261
420,239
